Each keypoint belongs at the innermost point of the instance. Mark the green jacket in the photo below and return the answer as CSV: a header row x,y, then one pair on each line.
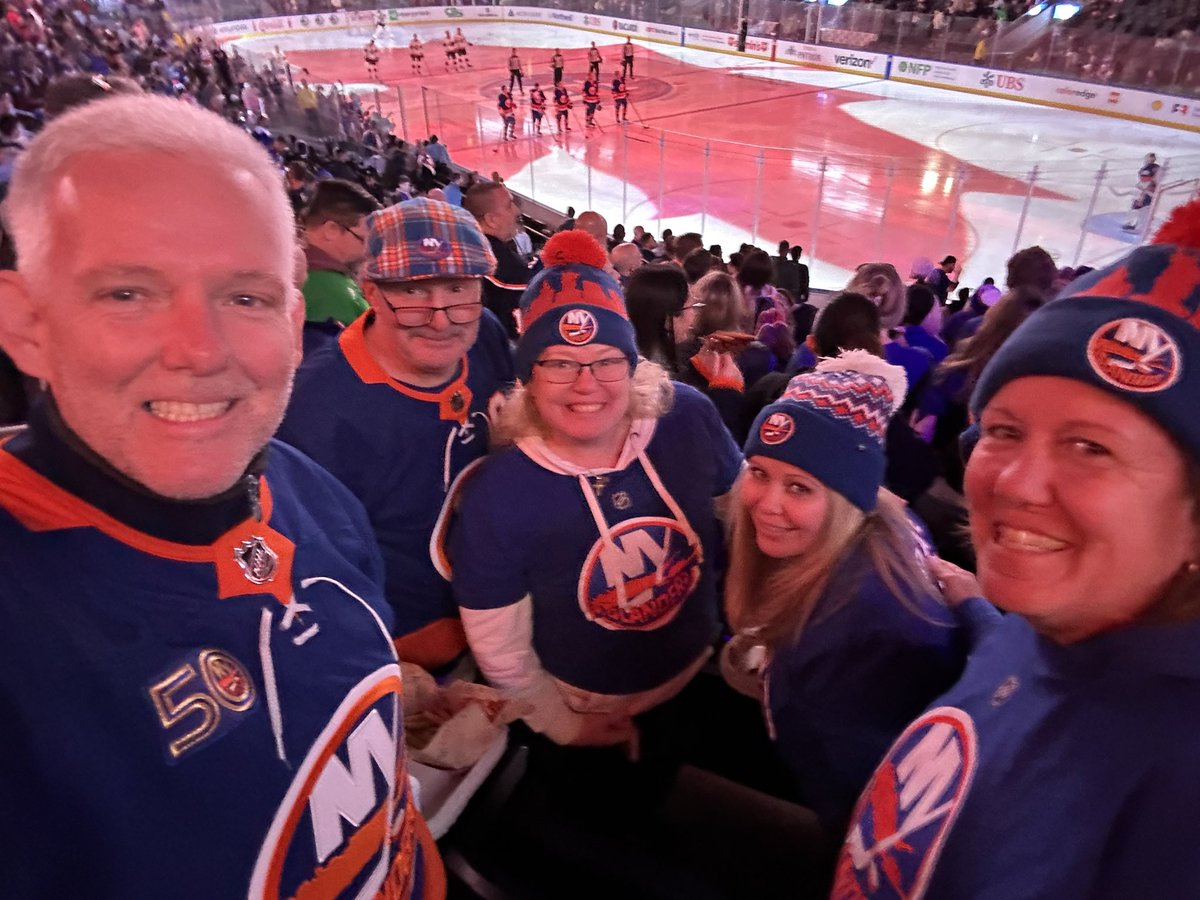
x,y
332,295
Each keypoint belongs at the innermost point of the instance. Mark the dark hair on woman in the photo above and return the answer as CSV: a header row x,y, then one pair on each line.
x,y
1032,267
756,270
654,296
918,302
848,322
998,323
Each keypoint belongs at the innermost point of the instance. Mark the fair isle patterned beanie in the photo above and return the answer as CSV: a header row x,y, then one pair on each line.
x,y
1129,330
831,423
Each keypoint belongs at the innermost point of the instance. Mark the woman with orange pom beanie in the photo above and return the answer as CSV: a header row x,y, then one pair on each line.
x,y
583,550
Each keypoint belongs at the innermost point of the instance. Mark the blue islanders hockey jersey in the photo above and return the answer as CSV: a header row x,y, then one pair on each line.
x,y
198,720
398,449
614,567
1048,771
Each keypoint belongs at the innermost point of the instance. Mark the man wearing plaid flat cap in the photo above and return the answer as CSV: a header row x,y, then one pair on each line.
x,y
397,407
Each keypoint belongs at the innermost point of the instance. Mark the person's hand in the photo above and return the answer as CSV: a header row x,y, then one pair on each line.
x,y
602,730
955,584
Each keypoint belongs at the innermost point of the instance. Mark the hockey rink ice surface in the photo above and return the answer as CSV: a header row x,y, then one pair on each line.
x,y
912,171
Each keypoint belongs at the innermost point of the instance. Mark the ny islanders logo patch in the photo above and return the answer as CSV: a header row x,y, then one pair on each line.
x,y
776,428
1135,355
577,327
639,579
906,811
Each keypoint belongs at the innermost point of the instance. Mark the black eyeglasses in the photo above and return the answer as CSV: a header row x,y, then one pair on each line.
x,y
420,316
565,371
362,237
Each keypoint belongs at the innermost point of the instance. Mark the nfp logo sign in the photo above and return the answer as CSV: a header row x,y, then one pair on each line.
x,y
905,814
638,578
917,70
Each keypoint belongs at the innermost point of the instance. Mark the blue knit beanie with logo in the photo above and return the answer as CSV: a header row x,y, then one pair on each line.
x,y
1129,330
573,302
831,423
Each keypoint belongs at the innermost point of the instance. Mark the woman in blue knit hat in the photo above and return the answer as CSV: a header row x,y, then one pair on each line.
x,y
1064,762
839,626
583,554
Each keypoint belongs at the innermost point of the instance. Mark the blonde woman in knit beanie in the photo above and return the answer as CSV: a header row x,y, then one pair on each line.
x,y
839,627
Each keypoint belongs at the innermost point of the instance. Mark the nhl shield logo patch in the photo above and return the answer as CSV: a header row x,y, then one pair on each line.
x,y
257,560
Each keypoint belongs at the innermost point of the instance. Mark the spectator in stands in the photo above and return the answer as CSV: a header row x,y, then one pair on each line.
x,y
334,245
68,91
758,295
568,224
922,322
499,218
396,408
306,100
603,440
964,323
1035,268
697,264
594,224
1083,498
839,625
662,315
787,272
625,258
716,355
154,535
684,245
882,284
943,278
437,151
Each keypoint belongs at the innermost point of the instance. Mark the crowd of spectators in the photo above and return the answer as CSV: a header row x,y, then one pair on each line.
x,y
771,483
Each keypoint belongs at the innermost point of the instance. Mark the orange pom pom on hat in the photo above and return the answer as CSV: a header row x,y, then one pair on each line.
x,y
573,302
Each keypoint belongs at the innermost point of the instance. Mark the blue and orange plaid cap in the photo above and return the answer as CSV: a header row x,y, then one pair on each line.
x,y
425,238
1130,329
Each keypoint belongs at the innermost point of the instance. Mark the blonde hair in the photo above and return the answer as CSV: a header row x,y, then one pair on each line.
x,y
130,124
776,598
883,285
517,417
723,309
